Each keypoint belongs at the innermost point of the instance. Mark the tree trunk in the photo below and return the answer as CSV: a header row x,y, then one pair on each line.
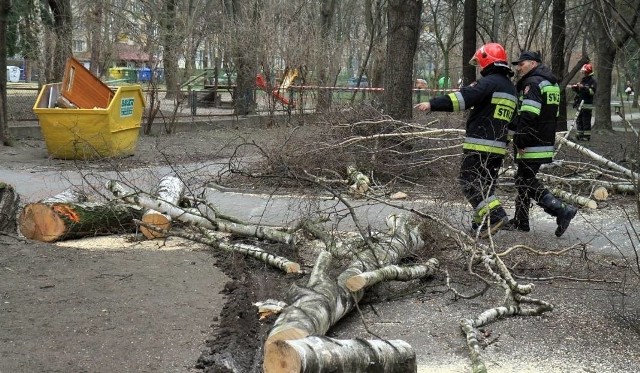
x,y
170,190
95,19
322,354
9,201
5,6
403,18
469,40
62,27
327,14
558,36
50,222
170,59
614,26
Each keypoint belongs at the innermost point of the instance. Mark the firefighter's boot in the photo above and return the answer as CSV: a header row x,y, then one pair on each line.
x,y
563,212
488,225
520,221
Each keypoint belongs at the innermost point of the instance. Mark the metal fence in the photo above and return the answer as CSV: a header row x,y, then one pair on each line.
x,y
196,105
20,101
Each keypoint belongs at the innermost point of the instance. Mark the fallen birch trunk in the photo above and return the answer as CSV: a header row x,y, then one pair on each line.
x,y
575,199
619,187
322,354
598,158
188,216
315,308
392,273
209,239
170,190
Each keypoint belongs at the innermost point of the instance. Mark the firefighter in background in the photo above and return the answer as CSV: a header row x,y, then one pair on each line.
x,y
585,91
534,140
492,100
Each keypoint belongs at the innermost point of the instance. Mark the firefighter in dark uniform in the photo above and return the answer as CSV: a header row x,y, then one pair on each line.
x,y
534,139
585,91
492,100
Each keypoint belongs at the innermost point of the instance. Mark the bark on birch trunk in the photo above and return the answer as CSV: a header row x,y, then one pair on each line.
x,y
315,308
49,222
322,354
170,190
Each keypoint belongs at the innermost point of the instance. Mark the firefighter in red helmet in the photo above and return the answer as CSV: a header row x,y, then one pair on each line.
x,y
492,100
585,91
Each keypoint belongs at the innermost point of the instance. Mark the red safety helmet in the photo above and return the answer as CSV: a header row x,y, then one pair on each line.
x,y
488,54
587,69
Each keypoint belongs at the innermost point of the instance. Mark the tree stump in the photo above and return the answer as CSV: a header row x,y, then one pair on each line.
x,y
9,201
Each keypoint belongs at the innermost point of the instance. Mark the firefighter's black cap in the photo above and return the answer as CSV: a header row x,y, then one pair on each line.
x,y
527,56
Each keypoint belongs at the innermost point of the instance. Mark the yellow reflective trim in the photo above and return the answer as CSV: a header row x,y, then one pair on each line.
x,y
535,155
504,102
531,109
484,210
454,101
484,148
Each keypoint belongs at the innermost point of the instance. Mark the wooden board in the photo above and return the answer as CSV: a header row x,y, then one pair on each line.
x,y
83,88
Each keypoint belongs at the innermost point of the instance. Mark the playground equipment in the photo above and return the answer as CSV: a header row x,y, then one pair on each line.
x,y
289,77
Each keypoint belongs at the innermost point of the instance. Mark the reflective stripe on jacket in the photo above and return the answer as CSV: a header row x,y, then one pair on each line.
x,y
535,124
493,101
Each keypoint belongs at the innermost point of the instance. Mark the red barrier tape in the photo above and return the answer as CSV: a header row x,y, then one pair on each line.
x,y
315,87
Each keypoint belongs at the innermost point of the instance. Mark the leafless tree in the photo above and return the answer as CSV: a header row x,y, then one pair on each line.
x,y
446,34
402,41
558,36
5,7
62,33
327,13
469,40
616,22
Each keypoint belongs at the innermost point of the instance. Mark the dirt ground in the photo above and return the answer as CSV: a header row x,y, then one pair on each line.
x,y
155,309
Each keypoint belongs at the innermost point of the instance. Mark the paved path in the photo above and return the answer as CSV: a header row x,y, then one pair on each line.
x,y
602,229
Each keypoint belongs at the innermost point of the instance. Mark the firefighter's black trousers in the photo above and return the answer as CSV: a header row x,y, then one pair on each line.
x,y
478,175
583,125
527,184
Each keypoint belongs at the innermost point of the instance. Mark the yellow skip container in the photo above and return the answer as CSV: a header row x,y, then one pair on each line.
x,y
72,133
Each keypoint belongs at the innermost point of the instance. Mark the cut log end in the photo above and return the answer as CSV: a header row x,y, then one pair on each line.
x,y
281,358
292,267
286,334
600,194
39,222
355,283
158,220
591,204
